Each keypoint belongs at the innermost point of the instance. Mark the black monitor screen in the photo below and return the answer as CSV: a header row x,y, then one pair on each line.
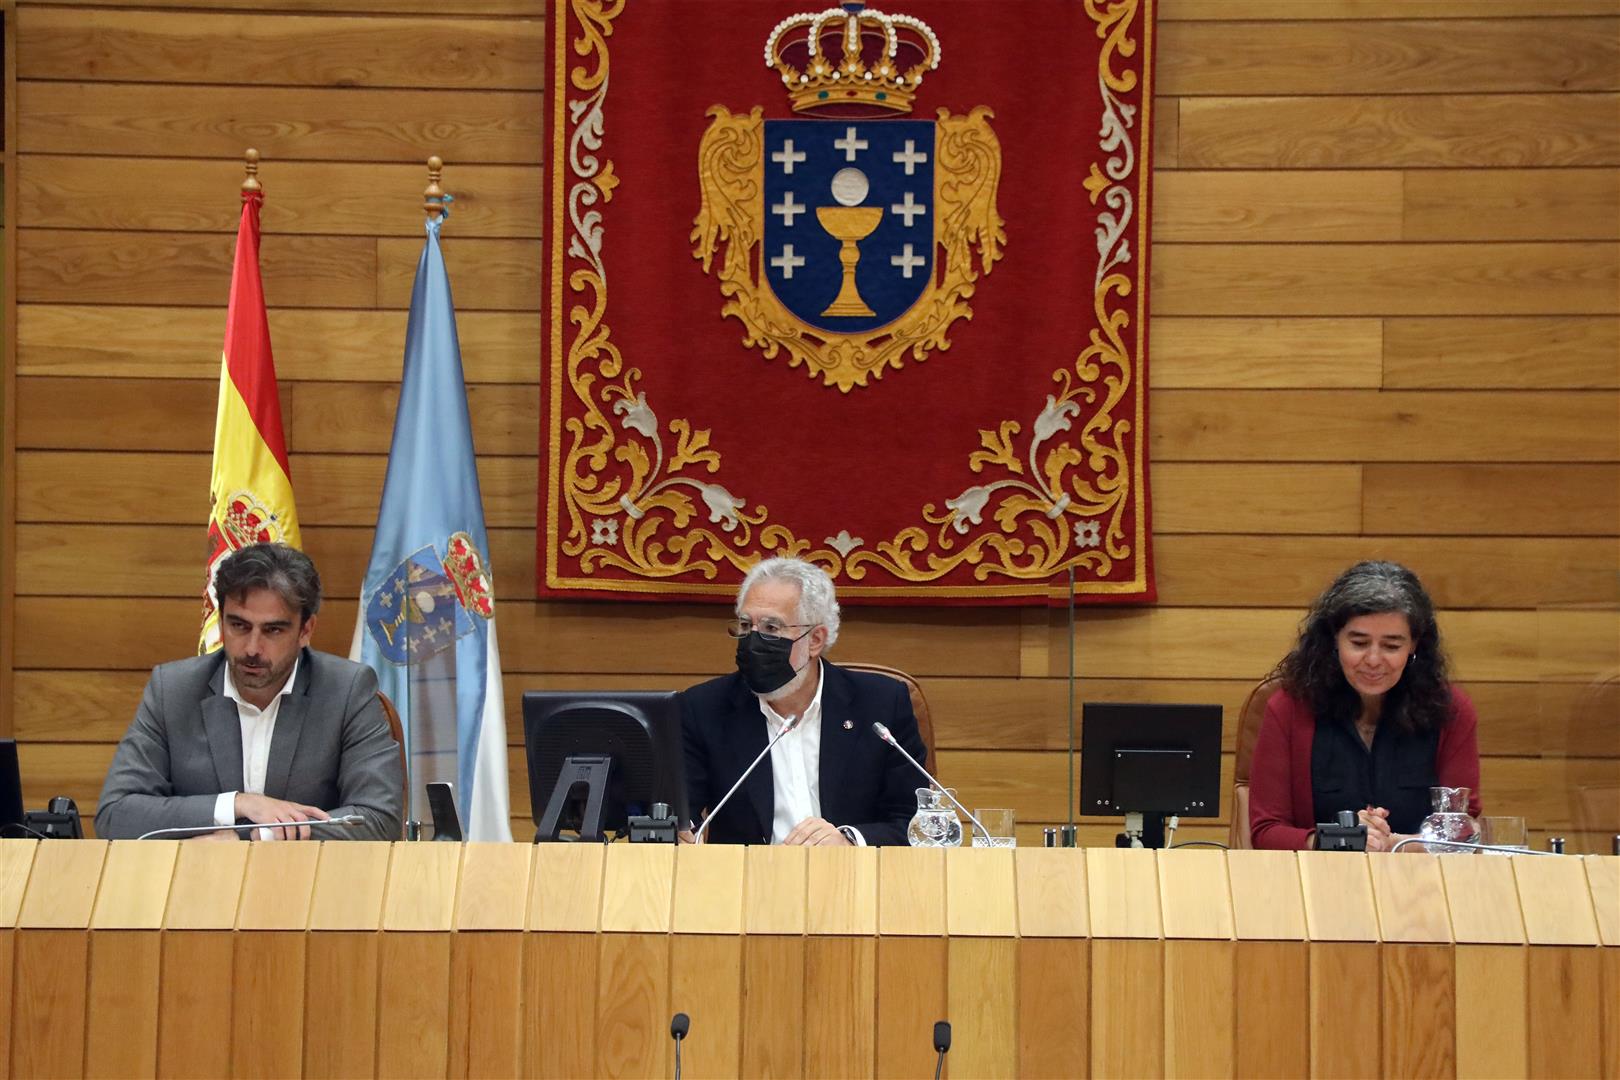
x,y
1147,759
639,729
11,798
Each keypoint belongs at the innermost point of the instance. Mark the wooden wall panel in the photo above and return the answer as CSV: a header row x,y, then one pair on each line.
x,y
1385,296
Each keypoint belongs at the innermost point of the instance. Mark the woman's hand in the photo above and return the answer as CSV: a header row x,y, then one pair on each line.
x,y
1376,818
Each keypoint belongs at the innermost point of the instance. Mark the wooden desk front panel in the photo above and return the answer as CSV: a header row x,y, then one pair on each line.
x,y
482,961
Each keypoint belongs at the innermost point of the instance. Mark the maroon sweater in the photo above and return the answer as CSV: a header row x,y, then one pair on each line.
x,y
1281,806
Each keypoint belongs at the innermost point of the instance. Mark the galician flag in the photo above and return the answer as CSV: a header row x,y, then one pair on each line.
x,y
251,483
426,622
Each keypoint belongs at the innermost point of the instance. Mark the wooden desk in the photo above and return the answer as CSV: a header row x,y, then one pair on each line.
x,y
355,959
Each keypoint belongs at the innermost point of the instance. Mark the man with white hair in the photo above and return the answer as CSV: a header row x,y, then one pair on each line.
x,y
831,780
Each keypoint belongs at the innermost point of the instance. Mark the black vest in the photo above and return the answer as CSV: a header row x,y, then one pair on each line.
x,y
1396,773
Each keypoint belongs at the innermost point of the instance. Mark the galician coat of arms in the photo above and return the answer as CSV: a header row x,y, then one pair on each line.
x,y
852,239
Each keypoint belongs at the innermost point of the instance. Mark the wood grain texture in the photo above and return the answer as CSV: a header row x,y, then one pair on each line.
x,y
1234,353
1419,1011
121,1004
1510,204
981,1000
331,198
194,1003
1054,988
1565,1029
706,974
1502,353
1385,425
267,996
773,987
1218,10
1443,130
1127,1021
912,977
192,268
1367,56
840,1035
1566,500
340,1026
1552,278
486,998
1200,1015
284,123
413,1004
1345,1042
288,50
1271,980
138,341
1491,1010
561,980
48,1002
1249,206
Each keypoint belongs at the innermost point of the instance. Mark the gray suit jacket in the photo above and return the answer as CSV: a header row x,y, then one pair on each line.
x,y
331,748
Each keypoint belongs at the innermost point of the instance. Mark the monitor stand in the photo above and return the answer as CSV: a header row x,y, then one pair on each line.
x,y
591,771
1142,831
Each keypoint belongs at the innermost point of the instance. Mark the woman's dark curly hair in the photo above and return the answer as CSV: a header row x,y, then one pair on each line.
x,y
1420,700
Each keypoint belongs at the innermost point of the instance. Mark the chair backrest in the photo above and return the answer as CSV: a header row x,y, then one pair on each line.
x,y
1249,720
398,731
919,705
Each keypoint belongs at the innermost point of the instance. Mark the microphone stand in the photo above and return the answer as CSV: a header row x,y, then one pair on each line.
x,y
199,830
697,837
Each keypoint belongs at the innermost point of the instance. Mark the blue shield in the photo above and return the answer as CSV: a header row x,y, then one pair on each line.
x,y
834,188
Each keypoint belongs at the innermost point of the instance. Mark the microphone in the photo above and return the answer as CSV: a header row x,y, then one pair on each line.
x,y
942,1043
198,830
697,837
883,733
679,1025
1467,845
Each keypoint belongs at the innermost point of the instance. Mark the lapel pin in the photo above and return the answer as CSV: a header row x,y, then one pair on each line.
x,y
849,725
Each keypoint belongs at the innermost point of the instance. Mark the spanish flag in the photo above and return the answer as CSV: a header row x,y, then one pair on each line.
x,y
251,484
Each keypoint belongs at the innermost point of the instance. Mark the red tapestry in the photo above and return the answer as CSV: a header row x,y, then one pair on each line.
x,y
865,287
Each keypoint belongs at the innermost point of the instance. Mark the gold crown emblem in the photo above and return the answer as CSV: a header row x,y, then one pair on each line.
x,y
867,69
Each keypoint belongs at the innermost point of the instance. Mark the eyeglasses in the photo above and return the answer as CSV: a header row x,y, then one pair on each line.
x,y
741,628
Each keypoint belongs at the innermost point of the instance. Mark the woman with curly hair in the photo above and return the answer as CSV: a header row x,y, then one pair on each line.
x,y
1364,720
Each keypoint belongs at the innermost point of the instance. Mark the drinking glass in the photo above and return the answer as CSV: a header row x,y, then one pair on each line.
x,y
1505,832
999,824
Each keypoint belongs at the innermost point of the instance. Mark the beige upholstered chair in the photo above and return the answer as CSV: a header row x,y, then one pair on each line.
x,y
1249,720
398,731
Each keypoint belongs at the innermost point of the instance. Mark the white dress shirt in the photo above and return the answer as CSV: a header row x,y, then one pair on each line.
x,y
258,725
796,768
795,764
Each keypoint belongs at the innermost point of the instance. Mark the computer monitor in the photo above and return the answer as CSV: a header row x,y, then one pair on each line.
x,y
1152,761
599,757
11,797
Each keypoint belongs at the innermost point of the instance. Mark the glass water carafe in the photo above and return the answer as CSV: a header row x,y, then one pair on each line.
x,y
1448,820
935,823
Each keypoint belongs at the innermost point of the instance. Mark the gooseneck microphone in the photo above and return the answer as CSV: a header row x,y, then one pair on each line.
x,y
679,1025
199,830
942,1043
1466,845
697,837
883,733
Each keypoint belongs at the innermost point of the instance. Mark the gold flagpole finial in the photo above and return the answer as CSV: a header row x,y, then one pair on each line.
x,y
433,197
251,184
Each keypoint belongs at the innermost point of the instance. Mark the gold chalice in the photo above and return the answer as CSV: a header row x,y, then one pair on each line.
x,y
850,224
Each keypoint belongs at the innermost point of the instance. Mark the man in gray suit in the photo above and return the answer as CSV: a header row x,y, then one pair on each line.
x,y
265,731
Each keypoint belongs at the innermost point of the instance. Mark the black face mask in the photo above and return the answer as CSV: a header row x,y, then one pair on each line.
x,y
765,662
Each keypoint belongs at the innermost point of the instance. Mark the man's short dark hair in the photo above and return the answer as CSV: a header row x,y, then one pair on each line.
x,y
283,570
